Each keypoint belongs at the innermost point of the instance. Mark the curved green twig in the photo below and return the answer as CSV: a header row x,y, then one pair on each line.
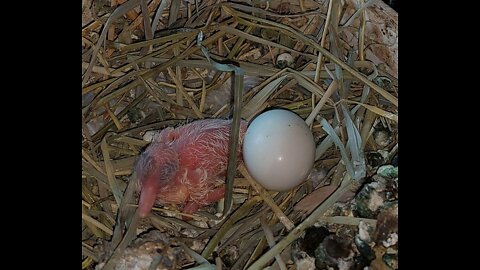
x,y
235,127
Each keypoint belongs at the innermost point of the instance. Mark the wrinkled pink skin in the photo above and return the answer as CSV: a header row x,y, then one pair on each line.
x,y
186,165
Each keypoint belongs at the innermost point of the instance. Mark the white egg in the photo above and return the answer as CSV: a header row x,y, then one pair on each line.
x,y
278,150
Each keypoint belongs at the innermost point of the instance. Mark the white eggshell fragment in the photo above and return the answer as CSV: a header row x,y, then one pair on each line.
x,y
278,150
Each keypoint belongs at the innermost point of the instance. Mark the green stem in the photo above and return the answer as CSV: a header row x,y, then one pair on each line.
x,y
233,142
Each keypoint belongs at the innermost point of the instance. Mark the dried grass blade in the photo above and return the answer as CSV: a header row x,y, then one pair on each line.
x,y
323,42
329,55
96,223
184,93
308,84
159,41
331,132
272,14
91,161
236,32
204,264
289,225
92,226
104,129
271,242
112,181
125,212
354,144
95,86
158,15
203,97
353,221
117,13
233,141
173,14
308,203
257,101
129,235
309,221
89,170
376,110
323,147
240,213
146,20
331,89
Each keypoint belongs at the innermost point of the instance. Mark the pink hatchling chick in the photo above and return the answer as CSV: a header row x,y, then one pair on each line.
x,y
186,165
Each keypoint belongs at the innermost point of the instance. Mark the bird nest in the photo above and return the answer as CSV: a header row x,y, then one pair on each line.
x,y
334,63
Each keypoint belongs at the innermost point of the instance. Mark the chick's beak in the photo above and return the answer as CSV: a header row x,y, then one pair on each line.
x,y
148,196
